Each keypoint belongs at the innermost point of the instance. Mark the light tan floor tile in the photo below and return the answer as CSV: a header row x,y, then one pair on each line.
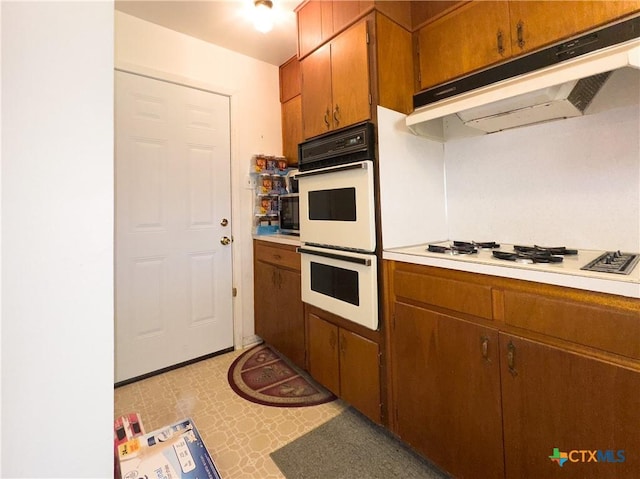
x,y
239,434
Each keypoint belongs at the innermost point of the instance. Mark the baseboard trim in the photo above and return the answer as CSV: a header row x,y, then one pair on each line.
x,y
171,368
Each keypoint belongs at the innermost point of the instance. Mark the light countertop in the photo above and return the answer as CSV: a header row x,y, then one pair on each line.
x,y
292,240
567,273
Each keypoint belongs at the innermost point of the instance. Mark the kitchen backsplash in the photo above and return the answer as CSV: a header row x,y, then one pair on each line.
x,y
572,182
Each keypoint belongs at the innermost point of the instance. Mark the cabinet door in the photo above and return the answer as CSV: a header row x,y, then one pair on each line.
x,y
413,351
289,79
291,316
315,25
344,11
316,92
323,358
447,380
553,398
360,373
469,38
265,302
292,129
350,76
538,23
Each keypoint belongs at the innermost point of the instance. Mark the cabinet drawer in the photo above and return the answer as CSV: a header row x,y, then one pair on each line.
x,y
603,327
452,294
283,256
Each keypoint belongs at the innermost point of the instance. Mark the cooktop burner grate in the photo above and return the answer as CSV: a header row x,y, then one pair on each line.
x,y
528,257
613,262
453,249
556,250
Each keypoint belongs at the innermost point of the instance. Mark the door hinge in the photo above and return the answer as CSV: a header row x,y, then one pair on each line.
x,y
367,37
379,359
234,292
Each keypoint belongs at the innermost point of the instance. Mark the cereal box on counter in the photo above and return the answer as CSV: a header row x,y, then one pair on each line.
x,y
172,452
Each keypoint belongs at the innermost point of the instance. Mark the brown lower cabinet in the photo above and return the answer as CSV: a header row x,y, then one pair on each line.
x,y
279,317
499,395
446,375
344,362
553,398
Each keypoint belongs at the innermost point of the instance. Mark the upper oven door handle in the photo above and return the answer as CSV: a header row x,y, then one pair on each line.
x,y
340,257
322,171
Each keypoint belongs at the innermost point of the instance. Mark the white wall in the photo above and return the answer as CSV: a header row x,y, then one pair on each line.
x,y
573,183
57,239
412,184
255,121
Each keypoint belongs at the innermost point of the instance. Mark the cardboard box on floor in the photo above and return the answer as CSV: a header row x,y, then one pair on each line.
x,y
172,452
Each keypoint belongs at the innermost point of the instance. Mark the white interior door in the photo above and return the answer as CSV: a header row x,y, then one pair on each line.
x,y
173,274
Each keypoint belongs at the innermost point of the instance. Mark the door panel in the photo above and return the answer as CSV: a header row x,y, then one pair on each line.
x,y
558,399
350,76
173,277
316,92
359,374
323,353
464,41
447,390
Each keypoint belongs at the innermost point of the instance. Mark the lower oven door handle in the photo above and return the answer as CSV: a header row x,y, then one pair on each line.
x,y
323,171
340,257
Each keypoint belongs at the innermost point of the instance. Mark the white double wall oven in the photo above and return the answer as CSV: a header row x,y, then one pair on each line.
x,y
338,224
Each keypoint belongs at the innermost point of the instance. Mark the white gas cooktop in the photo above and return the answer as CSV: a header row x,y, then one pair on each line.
x,y
566,273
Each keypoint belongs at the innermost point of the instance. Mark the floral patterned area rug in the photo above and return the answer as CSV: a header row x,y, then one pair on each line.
x,y
261,375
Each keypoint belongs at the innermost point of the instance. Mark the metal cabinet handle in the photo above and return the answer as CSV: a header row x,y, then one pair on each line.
x,y
511,359
336,112
484,347
499,37
326,118
520,30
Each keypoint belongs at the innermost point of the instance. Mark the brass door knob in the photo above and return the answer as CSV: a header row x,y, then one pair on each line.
x,y
225,240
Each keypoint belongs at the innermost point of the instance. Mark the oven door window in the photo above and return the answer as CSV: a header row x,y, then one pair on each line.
x,y
333,205
339,283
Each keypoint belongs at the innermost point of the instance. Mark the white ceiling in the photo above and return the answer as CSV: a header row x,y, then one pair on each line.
x,y
225,23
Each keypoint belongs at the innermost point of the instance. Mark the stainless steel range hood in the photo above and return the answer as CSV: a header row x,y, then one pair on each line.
x,y
555,83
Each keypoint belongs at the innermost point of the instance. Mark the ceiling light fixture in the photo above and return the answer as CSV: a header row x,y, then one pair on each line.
x,y
262,17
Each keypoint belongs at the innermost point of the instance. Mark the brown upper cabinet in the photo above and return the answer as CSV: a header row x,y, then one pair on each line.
x,y
289,79
470,37
319,20
368,63
291,106
479,33
335,83
535,24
